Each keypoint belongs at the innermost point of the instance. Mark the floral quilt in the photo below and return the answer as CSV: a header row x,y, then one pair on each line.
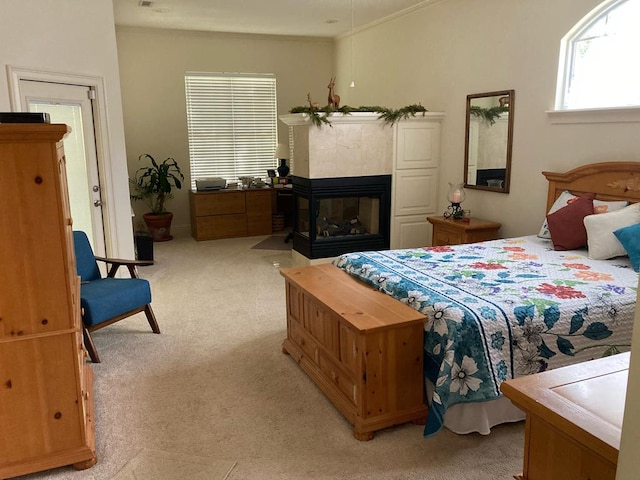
x,y
504,308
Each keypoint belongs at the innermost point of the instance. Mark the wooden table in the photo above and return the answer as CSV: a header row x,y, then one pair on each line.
x,y
574,419
449,231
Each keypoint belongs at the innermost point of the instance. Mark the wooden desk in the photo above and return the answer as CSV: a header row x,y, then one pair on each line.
x,y
449,231
230,213
574,419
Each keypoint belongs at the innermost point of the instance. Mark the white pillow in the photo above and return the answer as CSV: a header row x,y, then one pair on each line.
x,y
601,241
599,206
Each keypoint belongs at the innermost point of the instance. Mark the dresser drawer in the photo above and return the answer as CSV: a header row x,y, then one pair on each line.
x,y
443,236
259,202
259,224
448,231
224,203
221,226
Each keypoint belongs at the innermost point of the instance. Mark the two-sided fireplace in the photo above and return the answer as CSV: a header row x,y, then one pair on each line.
x,y
332,216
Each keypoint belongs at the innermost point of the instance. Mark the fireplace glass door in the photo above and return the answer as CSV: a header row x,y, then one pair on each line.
x,y
341,216
330,222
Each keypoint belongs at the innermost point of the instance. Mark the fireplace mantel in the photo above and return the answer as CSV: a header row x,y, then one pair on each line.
x,y
353,117
335,118
353,145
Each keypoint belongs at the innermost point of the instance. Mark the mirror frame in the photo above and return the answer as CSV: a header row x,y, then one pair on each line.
x,y
507,175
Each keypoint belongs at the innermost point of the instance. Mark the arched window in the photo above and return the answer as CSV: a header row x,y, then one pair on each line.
x,y
600,59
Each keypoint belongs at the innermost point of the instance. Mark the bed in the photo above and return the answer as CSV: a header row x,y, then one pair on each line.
x,y
511,307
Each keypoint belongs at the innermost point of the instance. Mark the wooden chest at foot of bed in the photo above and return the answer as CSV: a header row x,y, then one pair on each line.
x,y
361,347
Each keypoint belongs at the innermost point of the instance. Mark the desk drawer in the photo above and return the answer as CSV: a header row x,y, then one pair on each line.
x,y
259,224
221,226
221,203
259,202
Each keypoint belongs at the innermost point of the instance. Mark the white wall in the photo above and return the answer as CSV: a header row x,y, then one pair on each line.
x,y
441,53
153,64
73,37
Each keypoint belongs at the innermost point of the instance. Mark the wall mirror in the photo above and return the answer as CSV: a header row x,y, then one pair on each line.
x,y
488,141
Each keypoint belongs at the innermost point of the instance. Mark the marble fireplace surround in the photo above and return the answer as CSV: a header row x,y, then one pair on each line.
x,y
354,145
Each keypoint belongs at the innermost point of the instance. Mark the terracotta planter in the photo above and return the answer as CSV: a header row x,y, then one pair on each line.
x,y
159,225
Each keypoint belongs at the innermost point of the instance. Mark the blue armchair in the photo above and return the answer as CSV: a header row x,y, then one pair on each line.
x,y
105,300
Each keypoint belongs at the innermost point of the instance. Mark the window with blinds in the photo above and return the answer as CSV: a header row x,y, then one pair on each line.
x,y
232,125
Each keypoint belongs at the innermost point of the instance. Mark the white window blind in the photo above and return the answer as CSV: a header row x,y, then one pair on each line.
x,y
232,125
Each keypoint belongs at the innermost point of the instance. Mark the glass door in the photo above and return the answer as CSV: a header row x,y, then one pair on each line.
x,y
70,104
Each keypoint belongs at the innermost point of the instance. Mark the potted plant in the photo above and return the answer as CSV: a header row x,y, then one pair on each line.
x,y
154,184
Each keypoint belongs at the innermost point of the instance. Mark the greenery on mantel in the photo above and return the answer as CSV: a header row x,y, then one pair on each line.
x,y
319,116
488,114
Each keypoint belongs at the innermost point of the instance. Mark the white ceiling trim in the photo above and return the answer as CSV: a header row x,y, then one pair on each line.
x,y
389,18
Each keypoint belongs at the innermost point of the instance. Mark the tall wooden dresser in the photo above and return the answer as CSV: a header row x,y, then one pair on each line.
x,y
46,404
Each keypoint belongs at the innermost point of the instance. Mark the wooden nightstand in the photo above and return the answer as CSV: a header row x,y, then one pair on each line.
x,y
447,231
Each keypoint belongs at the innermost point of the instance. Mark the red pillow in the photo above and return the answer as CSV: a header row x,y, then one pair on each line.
x,y
566,225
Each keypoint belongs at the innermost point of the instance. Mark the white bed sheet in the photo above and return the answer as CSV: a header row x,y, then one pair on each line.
x,y
478,417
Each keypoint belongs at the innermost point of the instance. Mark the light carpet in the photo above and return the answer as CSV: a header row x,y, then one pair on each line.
x,y
274,242
157,465
215,384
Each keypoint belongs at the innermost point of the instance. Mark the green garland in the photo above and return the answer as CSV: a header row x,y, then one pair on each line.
x,y
319,116
488,114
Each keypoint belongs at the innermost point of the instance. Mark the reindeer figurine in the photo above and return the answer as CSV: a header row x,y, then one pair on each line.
x,y
312,105
334,100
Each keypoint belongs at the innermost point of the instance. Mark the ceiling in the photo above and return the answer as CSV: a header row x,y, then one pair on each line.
x,y
315,18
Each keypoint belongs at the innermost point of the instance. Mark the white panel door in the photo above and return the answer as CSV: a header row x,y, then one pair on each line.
x,y
71,105
415,192
418,145
415,181
411,231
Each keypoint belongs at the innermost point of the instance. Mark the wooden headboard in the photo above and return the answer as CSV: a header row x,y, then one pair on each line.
x,y
608,180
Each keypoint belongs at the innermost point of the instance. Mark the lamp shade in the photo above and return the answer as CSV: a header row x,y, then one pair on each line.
x,y
282,151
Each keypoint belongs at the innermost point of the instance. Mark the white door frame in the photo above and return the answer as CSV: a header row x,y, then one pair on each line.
x,y
15,74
